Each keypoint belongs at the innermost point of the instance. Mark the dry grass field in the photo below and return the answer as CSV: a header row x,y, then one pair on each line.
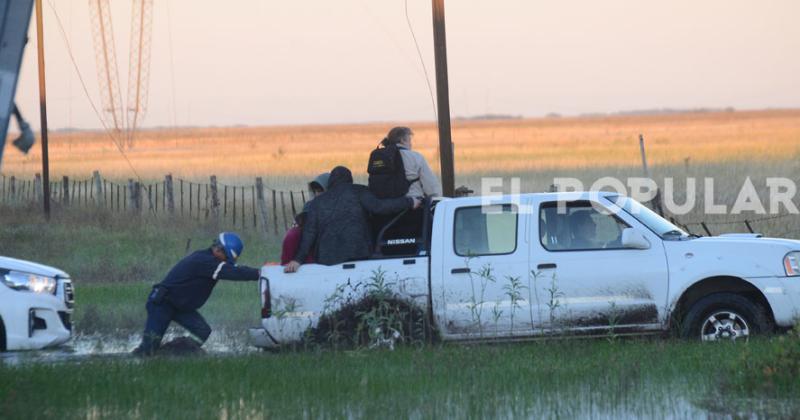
x,y
286,155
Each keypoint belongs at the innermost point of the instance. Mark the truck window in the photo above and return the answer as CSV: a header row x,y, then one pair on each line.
x,y
485,230
578,226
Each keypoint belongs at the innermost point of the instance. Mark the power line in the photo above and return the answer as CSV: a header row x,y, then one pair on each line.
x,y
421,60
88,97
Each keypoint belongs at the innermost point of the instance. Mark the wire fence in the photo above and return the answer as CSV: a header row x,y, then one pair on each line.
x,y
254,205
258,206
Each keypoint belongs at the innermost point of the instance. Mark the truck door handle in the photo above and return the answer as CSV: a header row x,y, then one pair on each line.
x,y
463,270
546,266
348,266
409,262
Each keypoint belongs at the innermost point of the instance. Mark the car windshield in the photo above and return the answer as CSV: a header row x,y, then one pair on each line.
x,y
659,225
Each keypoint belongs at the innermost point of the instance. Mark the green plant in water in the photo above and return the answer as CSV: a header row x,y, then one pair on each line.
x,y
554,299
513,290
368,314
497,313
613,320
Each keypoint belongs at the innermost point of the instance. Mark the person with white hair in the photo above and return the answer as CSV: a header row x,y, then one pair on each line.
x,y
423,182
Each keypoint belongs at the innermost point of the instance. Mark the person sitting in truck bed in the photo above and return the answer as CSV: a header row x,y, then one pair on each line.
x,y
319,184
423,182
291,241
337,226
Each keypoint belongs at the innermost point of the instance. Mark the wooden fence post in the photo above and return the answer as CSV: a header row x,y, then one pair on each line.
x,y
253,205
262,206
181,192
214,198
168,189
132,193
97,186
275,212
294,210
65,190
38,194
656,202
12,188
225,201
139,196
234,205
283,211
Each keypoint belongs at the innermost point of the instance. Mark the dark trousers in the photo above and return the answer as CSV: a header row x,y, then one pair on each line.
x,y
159,315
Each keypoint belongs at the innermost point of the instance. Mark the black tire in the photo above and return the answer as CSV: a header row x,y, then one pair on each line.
x,y
741,317
2,336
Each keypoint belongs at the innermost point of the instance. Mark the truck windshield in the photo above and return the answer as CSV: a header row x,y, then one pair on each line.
x,y
660,226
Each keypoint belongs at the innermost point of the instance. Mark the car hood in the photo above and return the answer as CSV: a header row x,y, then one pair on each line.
x,y
749,239
7,263
743,255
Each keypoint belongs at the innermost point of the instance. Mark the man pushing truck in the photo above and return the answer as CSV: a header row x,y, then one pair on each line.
x,y
187,286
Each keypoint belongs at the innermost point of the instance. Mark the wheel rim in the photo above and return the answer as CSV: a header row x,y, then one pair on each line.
x,y
724,325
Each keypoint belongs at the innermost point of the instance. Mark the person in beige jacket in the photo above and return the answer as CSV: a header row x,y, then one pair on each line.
x,y
417,169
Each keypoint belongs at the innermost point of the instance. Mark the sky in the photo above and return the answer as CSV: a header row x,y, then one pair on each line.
x,y
274,62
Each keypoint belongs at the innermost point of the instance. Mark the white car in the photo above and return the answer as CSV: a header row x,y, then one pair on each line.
x,y
555,263
35,305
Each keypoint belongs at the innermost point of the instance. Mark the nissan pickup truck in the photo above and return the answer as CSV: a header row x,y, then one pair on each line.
x,y
36,303
543,264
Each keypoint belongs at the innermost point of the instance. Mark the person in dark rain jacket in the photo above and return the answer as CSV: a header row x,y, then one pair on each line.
x,y
187,286
336,225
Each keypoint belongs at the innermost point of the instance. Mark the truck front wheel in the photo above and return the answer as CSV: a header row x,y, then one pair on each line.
x,y
2,336
725,316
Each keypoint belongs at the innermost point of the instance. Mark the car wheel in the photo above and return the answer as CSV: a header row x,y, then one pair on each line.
x,y
2,336
725,316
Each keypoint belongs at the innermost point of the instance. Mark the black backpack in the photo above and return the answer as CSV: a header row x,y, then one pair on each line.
x,y
387,175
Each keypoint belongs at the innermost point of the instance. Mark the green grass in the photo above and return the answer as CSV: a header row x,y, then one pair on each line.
x,y
98,246
114,259
583,378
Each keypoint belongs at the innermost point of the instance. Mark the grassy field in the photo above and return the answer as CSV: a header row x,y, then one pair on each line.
x,y
558,379
114,258
114,262
284,154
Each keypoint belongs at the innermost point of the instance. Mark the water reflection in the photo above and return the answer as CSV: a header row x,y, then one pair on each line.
x,y
120,344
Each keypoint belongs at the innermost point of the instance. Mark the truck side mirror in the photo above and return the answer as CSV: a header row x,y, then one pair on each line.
x,y
632,238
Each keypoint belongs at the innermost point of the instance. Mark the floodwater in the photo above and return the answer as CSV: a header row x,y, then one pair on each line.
x,y
119,345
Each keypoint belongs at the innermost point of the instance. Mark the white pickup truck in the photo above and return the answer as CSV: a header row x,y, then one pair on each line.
x,y
35,305
517,267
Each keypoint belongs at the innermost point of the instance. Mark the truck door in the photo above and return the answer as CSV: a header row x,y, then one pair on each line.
x,y
484,270
585,279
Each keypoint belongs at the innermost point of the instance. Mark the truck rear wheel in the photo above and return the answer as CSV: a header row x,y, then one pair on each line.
x,y
725,316
2,336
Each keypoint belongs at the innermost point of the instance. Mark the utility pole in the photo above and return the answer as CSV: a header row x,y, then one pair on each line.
x,y
443,100
43,111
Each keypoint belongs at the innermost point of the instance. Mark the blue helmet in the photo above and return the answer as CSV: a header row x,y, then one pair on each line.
x,y
232,244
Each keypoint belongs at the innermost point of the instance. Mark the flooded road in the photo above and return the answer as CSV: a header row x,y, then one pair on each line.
x,y
120,344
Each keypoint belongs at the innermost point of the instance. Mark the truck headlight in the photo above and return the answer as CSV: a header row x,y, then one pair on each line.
x,y
791,263
30,282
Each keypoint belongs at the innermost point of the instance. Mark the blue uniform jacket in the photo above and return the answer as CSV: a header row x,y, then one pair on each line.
x,y
191,281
